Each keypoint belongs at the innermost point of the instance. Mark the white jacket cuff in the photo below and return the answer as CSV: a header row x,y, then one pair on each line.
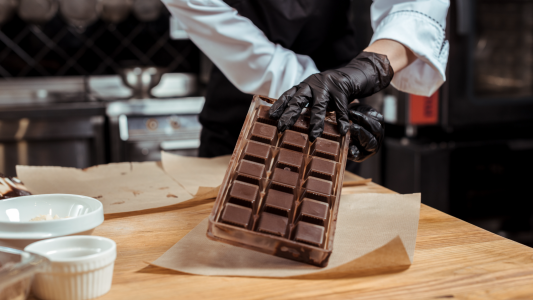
x,y
426,38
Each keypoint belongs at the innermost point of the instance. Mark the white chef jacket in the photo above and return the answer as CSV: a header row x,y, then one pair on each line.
x,y
255,65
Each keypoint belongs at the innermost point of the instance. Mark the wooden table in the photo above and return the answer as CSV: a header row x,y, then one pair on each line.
x,y
453,259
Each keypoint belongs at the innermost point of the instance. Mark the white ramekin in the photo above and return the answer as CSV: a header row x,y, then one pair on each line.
x,y
81,267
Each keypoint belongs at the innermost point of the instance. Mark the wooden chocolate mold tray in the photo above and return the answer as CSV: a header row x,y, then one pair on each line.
x,y
280,193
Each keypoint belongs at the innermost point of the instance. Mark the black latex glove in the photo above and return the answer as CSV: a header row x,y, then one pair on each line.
x,y
333,90
366,131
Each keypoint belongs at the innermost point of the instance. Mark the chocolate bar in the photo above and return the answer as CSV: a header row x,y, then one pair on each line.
x,y
312,211
237,215
331,131
309,233
263,115
301,124
264,133
243,194
284,180
281,193
318,189
293,140
321,168
325,148
279,203
273,224
289,159
250,172
257,152
11,187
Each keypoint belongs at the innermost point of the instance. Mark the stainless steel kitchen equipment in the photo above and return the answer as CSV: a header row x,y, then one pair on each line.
x,y
37,11
115,11
140,129
48,121
7,7
141,80
80,13
147,10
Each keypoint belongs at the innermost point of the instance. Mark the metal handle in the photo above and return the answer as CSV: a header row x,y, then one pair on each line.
x,y
180,144
464,15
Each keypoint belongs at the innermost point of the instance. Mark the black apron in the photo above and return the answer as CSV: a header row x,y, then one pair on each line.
x,y
320,29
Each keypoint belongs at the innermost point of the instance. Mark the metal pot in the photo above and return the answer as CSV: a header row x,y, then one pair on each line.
x,y
115,11
141,80
147,10
37,11
7,7
80,13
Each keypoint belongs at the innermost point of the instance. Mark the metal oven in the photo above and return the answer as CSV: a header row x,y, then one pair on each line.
x,y
141,129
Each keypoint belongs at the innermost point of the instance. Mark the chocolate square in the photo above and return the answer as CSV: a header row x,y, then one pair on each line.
x,y
314,212
257,152
279,203
318,189
309,233
284,180
264,133
293,140
325,148
250,172
331,131
244,194
273,224
237,215
289,159
263,115
321,168
301,124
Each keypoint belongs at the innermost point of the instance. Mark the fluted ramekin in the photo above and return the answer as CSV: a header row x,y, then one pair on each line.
x,y
81,267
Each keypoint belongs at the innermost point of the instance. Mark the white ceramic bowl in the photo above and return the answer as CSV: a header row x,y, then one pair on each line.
x,y
81,267
17,231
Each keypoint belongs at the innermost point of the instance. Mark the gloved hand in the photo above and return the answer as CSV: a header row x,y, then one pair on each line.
x,y
333,90
366,131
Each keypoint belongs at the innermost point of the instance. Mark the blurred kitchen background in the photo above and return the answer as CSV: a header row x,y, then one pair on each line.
x,y
86,82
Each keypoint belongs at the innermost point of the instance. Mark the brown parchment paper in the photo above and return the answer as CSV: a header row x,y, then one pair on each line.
x,y
374,232
121,187
199,176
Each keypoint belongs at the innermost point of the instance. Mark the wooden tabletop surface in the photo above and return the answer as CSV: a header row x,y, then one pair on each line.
x,y
453,260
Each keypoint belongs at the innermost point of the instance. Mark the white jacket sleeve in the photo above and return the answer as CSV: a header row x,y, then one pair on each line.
x,y
418,25
239,49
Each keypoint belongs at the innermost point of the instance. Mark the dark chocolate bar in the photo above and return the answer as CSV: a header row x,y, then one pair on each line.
x,y
321,168
11,187
289,159
243,194
293,140
273,224
331,131
237,215
257,152
250,172
263,115
279,203
312,211
284,180
325,148
301,124
264,133
309,233
318,189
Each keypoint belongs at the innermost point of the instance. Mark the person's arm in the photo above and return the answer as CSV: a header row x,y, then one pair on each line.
x,y
418,26
399,56
239,49
408,49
